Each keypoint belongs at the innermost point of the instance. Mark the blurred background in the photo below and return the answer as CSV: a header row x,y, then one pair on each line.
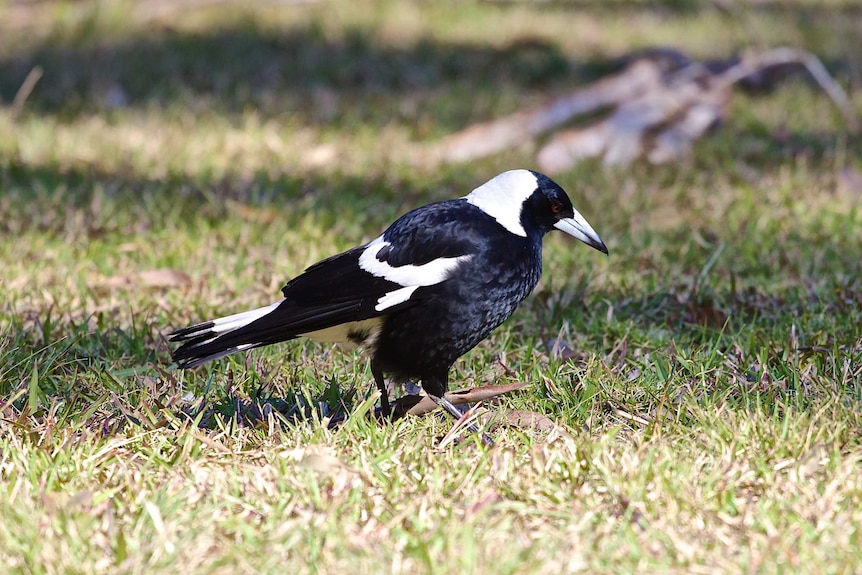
x,y
141,136
163,162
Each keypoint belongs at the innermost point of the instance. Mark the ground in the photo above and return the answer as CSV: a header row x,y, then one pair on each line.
x,y
171,162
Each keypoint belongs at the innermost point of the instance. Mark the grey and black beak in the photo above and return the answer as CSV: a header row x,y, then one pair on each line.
x,y
578,227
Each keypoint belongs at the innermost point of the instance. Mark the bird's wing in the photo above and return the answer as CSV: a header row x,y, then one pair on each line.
x,y
421,249
342,293
444,230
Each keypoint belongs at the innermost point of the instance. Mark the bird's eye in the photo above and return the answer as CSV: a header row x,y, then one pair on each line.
x,y
556,208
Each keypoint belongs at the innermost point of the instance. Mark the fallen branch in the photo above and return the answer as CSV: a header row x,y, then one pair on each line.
x,y
656,107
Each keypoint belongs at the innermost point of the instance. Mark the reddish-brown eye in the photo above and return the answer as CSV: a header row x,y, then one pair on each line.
x,y
556,208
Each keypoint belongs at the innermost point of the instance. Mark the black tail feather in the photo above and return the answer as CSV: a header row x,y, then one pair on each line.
x,y
203,342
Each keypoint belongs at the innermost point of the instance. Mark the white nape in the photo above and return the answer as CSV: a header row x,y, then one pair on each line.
x,y
503,197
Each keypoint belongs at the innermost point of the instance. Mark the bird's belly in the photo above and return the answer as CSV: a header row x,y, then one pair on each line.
x,y
426,339
353,334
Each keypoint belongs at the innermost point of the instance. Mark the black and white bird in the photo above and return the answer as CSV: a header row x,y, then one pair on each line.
x,y
419,296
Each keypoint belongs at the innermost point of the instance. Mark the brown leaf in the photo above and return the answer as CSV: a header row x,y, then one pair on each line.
x,y
422,404
164,277
412,405
529,420
475,394
252,213
849,182
157,278
489,499
705,313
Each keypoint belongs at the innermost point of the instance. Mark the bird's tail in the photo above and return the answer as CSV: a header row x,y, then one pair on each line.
x,y
217,338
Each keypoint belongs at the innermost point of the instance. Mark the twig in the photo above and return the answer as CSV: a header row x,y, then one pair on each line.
x,y
26,89
754,63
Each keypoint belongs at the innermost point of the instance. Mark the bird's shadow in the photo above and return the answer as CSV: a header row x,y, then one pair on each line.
x,y
162,399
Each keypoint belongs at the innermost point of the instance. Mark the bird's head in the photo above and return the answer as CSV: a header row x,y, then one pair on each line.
x,y
527,202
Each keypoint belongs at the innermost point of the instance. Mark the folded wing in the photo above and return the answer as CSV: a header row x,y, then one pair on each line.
x,y
342,298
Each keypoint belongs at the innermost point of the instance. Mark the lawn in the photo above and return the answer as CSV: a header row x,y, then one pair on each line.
x,y
162,163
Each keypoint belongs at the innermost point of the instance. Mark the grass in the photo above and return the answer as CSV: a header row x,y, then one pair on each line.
x,y
708,409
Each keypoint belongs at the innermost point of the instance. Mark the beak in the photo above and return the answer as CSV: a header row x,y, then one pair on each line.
x,y
578,227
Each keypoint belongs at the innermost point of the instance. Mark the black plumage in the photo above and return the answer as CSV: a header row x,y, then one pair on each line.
x,y
425,292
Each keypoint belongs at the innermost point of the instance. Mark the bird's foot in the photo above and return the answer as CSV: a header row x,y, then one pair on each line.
x,y
462,419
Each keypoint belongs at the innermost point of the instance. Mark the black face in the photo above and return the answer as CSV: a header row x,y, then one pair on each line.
x,y
548,205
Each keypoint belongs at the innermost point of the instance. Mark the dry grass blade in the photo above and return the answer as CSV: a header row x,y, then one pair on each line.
x,y
26,89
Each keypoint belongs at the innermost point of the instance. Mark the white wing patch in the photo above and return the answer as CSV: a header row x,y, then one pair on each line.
x,y
503,196
393,298
408,275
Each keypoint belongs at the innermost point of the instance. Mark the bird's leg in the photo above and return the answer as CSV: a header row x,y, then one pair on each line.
x,y
436,388
384,393
452,410
449,407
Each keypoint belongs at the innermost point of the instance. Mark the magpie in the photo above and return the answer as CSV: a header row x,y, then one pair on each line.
x,y
419,296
